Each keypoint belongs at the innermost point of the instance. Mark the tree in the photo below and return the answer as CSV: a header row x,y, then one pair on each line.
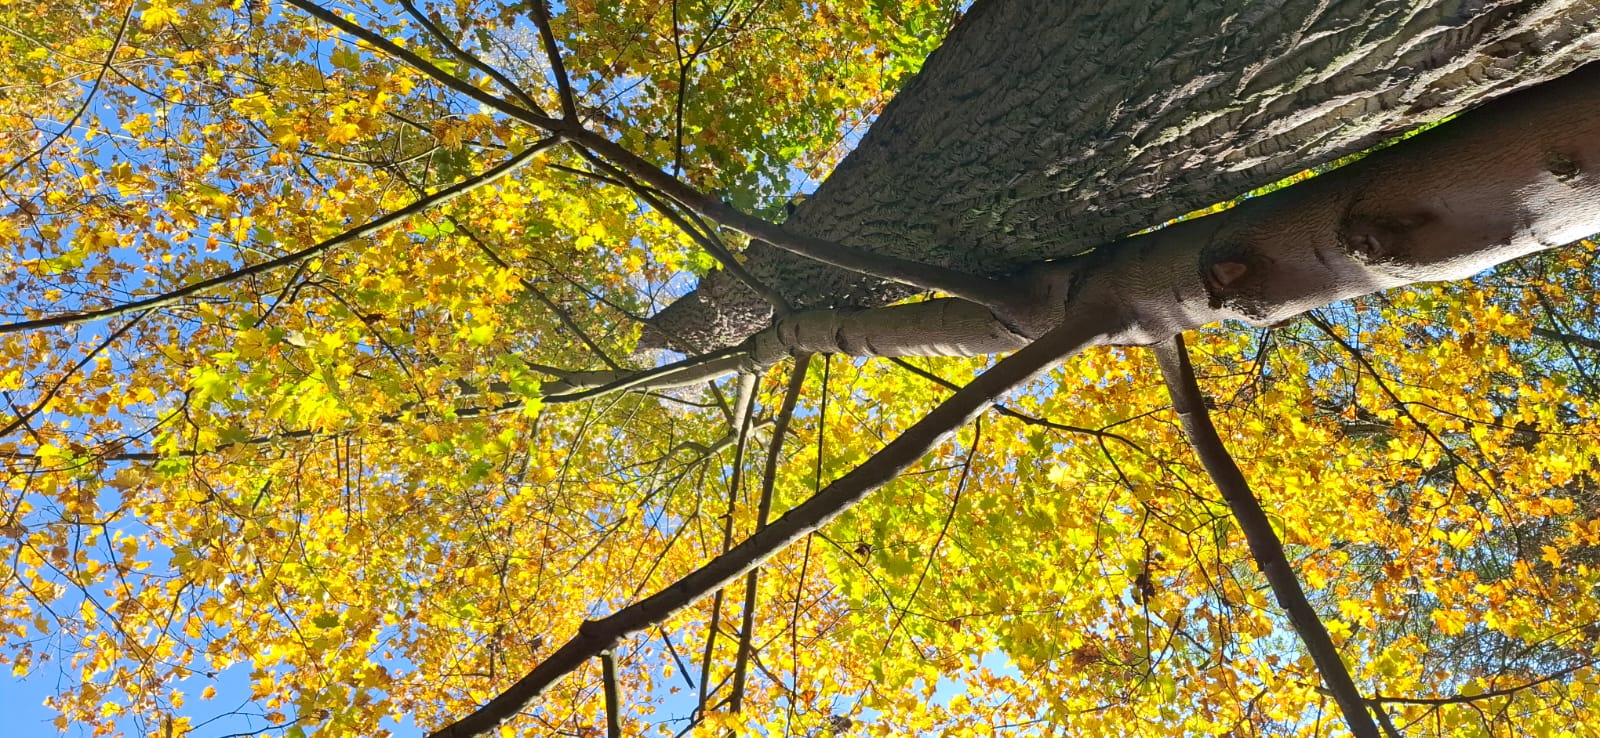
x,y
320,360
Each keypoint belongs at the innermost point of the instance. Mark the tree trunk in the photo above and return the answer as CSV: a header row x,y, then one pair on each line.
x,y
1042,130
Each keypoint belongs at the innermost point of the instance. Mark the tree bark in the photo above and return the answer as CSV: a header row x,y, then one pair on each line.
x,y
1041,130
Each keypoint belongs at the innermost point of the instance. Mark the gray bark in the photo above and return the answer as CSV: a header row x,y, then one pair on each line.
x,y
1045,129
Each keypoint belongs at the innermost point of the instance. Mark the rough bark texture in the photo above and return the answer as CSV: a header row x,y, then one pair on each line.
x,y
1042,129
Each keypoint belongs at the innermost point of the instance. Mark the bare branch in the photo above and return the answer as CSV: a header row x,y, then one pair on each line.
x,y
883,466
1265,547
608,673
540,10
769,477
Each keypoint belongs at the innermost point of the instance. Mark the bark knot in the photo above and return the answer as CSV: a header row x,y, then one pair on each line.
x,y
1564,167
1234,277
1379,239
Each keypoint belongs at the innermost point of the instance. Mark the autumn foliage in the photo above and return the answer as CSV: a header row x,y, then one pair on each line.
x,y
268,470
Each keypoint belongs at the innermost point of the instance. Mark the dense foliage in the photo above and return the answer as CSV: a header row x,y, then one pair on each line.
x,y
267,467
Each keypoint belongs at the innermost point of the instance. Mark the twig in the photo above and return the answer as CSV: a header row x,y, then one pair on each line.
x,y
366,229
50,394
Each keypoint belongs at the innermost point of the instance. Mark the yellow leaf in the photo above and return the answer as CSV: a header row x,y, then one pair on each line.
x,y
157,14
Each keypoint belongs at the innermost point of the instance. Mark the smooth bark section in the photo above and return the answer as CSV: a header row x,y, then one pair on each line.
x,y
608,674
883,466
1518,176
937,327
1265,547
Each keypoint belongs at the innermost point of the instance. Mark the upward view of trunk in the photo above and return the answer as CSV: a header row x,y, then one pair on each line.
x,y
1041,130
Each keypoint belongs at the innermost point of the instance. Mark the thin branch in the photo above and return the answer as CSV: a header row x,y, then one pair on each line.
x,y
540,10
471,60
561,315
94,88
1489,694
699,368
883,466
744,409
1265,547
608,673
683,669
805,552
366,229
1399,404
50,394
944,530
706,240
769,477
1572,338
1009,412
454,83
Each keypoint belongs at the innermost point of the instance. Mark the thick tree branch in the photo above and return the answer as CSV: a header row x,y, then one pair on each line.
x,y
883,466
1265,547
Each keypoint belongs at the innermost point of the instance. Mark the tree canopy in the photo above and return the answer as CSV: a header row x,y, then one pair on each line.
x,y
325,414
